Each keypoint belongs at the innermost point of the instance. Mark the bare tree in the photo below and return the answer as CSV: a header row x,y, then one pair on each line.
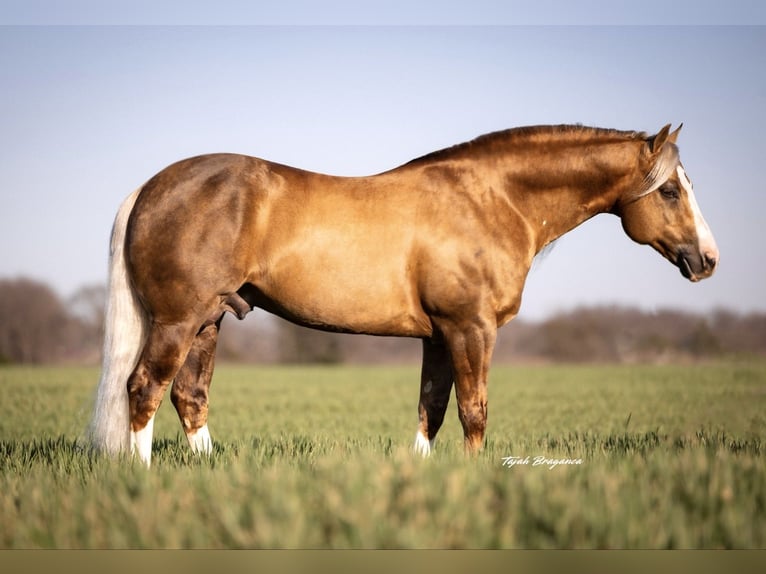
x,y
86,309
34,325
87,304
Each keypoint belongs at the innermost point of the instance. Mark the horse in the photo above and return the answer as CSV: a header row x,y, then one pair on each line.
x,y
436,249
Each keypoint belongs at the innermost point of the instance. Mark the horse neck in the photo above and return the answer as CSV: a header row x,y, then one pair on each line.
x,y
557,187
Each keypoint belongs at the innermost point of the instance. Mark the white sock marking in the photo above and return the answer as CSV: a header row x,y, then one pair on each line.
x,y
200,441
422,445
141,443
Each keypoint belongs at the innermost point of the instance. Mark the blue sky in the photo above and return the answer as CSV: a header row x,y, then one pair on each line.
x,y
88,113
388,12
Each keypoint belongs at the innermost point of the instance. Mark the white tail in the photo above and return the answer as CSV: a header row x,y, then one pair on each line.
x,y
125,331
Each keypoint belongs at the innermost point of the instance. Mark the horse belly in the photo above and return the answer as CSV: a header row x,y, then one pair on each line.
x,y
345,284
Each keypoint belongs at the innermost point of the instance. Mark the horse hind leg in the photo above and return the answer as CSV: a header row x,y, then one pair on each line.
x,y
436,379
163,355
191,386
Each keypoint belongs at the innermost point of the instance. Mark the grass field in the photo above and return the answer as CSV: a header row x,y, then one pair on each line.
x,y
318,457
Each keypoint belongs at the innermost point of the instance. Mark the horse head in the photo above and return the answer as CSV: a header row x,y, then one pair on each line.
x,y
665,214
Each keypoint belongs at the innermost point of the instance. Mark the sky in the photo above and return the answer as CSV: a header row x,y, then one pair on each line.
x,y
89,110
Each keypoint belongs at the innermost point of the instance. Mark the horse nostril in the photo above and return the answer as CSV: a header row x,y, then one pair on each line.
x,y
711,260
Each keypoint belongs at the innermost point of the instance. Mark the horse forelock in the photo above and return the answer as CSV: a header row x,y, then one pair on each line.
x,y
662,169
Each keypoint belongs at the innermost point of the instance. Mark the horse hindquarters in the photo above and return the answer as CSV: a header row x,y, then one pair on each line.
x,y
140,357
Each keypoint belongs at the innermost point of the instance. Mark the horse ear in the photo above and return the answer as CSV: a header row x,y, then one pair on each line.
x,y
656,142
674,136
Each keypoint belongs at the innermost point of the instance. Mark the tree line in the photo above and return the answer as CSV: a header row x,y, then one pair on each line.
x,y
37,326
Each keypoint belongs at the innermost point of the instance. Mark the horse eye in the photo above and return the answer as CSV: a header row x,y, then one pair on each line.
x,y
669,191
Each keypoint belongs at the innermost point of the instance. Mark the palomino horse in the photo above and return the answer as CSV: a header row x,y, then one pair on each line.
x,y
437,249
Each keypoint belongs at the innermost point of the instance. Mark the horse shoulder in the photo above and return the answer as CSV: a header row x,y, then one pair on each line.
x,y
474,249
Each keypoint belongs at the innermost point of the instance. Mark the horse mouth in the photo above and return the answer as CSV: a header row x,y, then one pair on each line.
x,y
686,268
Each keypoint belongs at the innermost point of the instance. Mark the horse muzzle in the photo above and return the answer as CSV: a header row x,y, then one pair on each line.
x,y
696,265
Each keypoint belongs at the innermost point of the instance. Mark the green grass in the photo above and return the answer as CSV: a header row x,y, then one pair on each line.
x,y
318,457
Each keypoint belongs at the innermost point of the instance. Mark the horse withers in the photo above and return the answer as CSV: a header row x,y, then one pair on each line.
x,y
437,249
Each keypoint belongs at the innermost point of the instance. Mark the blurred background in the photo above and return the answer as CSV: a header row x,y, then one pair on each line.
x,y
39,326
90,112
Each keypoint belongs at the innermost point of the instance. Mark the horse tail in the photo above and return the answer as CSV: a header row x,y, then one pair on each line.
x,y
125,332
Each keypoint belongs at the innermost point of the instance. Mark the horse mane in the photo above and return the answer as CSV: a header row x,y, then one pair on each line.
x,y
495,142
501,141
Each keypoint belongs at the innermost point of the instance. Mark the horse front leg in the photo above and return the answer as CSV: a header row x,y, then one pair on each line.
x,y
435,386
191,387
471,345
